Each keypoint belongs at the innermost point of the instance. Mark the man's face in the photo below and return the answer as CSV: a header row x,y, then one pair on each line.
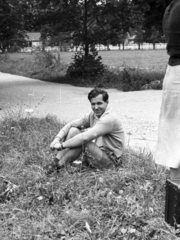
x,y
98,105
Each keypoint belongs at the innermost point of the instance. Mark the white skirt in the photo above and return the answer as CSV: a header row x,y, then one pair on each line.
x,y
168,145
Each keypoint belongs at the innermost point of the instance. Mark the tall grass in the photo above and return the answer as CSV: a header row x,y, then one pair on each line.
x,y
122,203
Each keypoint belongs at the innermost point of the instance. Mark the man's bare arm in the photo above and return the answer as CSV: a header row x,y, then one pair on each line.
x,y
98,130
79,123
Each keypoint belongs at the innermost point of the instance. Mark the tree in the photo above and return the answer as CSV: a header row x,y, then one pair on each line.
x,y
14,20
148,14
131,17
74,19
119,21
85,22
139,36
153,20
139,10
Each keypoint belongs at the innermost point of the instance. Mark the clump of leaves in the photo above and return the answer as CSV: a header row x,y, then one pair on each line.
x,y
86,67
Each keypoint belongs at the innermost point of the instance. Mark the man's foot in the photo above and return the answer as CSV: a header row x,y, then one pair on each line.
x,y
53,167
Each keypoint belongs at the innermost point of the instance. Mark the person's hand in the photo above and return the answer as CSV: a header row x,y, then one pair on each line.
x,y
59,146
55,142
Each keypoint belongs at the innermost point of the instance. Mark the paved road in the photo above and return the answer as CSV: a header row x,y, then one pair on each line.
x,y
139,110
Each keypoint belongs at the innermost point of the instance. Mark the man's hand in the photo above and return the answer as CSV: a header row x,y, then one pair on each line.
x,y
54,143
58,146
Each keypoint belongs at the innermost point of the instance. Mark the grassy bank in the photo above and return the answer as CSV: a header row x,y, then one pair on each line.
x,y
125,203
132,68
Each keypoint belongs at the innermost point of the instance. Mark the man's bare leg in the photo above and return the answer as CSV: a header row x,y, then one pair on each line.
x,y
98,158
69,155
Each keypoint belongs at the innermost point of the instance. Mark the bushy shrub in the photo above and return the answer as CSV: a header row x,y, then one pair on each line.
x,y
111,79
86,67
47,60
131,79
45,66
4,57
134,79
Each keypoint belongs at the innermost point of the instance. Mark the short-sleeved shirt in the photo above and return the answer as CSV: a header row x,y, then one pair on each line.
x,y
107,131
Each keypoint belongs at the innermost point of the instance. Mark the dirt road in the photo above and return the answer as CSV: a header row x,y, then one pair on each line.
x,y
139,110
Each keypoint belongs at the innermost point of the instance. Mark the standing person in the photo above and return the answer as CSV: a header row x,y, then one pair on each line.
x,y
168,145
99,133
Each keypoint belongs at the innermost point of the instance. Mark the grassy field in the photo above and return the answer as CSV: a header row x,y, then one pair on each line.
x,y
144,59
77,204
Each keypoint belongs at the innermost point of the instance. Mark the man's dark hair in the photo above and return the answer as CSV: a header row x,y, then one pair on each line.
x,y
96,91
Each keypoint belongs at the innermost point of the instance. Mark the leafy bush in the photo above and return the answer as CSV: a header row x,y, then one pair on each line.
x,y
43,65
133,79
90,66
4,57
130,79
111,79
48,60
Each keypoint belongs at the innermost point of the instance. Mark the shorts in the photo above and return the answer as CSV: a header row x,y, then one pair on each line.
x,y
116,160
112,161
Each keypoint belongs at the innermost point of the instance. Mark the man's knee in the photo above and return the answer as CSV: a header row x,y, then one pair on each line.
x,y
96,152
98,159
73,132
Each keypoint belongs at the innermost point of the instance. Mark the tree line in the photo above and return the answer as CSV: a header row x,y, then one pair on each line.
x,y
81,22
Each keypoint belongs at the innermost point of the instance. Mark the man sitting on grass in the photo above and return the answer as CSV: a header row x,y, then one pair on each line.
x,y
98,134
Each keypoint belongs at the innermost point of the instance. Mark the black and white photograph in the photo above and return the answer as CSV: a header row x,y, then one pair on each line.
x,y
89,119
